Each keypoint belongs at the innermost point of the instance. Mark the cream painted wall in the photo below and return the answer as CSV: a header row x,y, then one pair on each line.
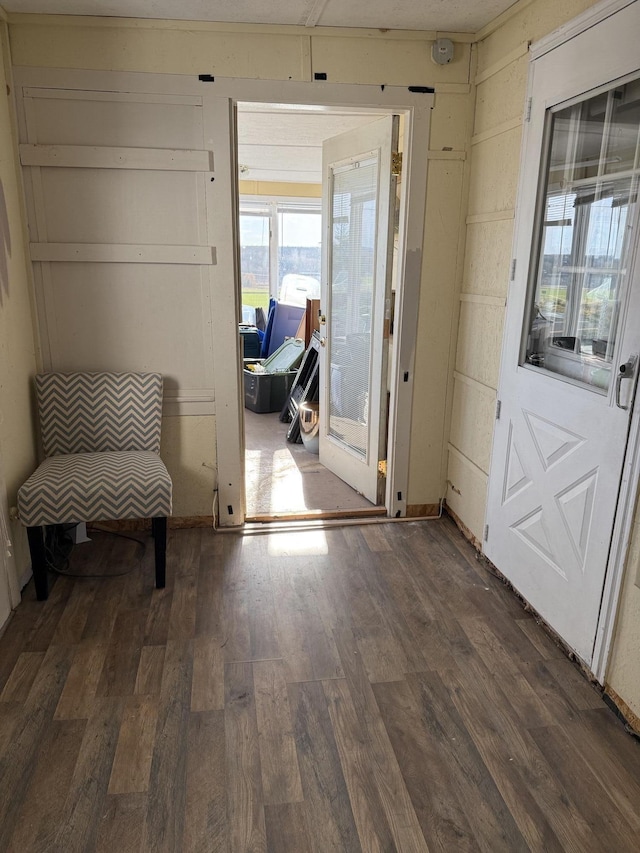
x,y
351,56
17,348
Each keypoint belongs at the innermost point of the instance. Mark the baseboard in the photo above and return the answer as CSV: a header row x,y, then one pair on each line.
x,y
175,523
624,713
422,510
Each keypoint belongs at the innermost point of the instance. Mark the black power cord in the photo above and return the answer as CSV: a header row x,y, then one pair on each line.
x,y
59,545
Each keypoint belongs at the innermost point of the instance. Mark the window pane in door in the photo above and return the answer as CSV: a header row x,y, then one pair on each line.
x,y
588,207
353,229
254,262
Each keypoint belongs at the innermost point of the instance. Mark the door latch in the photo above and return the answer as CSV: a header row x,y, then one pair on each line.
x,y
625,371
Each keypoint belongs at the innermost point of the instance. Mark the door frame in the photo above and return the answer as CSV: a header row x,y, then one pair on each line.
x,y
630,476
416,108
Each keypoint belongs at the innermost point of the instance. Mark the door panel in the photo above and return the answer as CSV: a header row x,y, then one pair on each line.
x,y
573,319
358,206
119,220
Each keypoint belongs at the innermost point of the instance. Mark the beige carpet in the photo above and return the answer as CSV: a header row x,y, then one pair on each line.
x,y
284,478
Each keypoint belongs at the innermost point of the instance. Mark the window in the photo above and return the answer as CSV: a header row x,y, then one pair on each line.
x,y
588,205
280,251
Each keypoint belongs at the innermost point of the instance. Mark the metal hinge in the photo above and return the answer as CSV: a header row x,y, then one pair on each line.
x,y
486,532
498,409
396,163
514,264
527,113
382,468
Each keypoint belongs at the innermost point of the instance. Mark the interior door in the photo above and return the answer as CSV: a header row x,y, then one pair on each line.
x,y
358,214
572,338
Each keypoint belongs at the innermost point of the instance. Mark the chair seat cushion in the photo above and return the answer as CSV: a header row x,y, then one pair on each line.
x,y
94,487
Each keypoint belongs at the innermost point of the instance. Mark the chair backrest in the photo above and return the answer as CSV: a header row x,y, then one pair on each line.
x,y
98,412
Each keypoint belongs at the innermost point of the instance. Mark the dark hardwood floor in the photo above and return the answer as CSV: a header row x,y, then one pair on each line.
x,y
364,688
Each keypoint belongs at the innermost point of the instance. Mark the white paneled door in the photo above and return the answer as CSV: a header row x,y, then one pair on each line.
x,y
358,214
572,337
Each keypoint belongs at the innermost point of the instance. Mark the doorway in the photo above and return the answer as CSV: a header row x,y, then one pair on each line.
x,y
280,151
560,463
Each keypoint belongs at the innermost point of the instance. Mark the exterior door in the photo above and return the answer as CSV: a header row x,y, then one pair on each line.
x,y
358,207
572,336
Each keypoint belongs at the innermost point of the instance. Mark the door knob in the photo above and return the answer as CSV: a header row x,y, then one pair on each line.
x,y
625,371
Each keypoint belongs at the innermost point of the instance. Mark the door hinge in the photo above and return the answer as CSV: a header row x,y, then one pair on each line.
x,y
396,163
527,112
382,468
514,264
498,409
486,532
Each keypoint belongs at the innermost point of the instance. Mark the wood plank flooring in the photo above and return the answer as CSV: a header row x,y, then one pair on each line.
x,y
355,689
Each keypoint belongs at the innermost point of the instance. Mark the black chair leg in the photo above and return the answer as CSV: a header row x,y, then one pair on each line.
x,y
159,532
38,562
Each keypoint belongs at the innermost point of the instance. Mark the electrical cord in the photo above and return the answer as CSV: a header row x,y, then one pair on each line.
x,y
59,545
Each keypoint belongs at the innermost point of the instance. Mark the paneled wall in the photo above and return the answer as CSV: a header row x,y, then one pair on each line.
x,y
346,56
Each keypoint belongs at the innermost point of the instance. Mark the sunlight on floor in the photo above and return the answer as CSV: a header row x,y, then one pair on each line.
x,y
286,484
306,543
274,473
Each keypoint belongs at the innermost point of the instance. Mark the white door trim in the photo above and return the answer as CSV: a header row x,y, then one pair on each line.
x,y
589,18
416,106
630,478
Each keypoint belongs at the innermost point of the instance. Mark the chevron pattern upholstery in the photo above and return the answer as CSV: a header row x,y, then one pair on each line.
x,y
97,486
101,438
99,412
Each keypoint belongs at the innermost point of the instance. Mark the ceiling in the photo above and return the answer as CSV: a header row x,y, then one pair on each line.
x,y
280,143
443,15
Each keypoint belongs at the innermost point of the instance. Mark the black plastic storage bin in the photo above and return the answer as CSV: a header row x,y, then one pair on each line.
x,y
250,341
266,392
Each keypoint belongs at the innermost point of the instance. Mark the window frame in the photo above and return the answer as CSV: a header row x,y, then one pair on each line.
x,y
272,206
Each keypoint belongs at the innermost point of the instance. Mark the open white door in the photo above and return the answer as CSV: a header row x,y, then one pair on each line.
x,y
573,332
358,205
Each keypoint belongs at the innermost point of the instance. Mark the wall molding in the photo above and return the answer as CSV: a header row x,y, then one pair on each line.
x,y
497,130
452,88
446,155
123,253
491,216
98,157
475,384
517,53
466,461
482,299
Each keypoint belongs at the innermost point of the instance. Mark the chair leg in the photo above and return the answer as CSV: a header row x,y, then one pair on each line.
x,y
159,532
38,562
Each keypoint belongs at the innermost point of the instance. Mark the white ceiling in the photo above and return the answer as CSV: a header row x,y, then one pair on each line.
x,y
277,143
443,15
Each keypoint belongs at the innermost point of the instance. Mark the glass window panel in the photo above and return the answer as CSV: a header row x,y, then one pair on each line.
x,y
254,262
353,249
622,143
582,265
299,255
